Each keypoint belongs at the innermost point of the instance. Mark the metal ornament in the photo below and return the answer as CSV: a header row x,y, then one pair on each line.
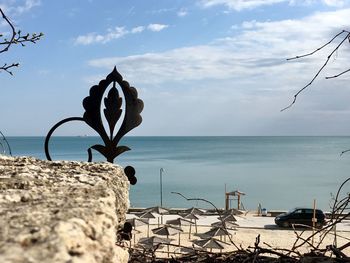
x,y
112,113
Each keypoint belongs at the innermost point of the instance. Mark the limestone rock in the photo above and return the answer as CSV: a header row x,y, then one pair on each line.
x,y
61,211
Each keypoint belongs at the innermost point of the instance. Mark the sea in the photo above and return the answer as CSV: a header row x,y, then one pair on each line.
x,y
277,173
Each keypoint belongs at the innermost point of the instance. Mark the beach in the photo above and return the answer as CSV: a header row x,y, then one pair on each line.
x,y
244,236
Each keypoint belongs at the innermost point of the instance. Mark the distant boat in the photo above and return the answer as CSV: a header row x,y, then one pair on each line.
x,y
81,136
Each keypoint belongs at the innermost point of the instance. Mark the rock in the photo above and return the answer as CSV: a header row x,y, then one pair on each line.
x,y
61,211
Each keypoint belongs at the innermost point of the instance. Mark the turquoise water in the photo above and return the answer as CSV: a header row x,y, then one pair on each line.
x,y
278,172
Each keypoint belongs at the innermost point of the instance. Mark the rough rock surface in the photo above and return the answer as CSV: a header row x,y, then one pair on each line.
x,y
61,211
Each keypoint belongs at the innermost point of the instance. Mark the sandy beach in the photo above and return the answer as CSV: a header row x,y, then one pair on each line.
x,y
243,236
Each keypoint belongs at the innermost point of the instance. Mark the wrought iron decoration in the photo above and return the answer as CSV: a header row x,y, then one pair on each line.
x,y
112,113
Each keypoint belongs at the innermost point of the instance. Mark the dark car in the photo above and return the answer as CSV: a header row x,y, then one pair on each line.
x,y
300,216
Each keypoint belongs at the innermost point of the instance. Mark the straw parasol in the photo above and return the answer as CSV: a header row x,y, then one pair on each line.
x,y
158,210
167,231
230,218
181,222
216,231
194,210
137,222
225,224
211,243
148,216
191,216
153,242
232,211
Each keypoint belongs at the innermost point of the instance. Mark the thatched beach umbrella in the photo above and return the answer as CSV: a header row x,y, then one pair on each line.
x,y
148,216
211,243
167,231
225,224
216,231
191,217
181,222
137,222
153,242
230,218
231,211
158,210
195,211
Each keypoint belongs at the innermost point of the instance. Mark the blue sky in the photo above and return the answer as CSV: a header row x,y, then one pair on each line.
x,y
202,67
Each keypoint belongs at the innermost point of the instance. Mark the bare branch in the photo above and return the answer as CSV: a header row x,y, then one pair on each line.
x,y
13,34
335,76
15,39
7,68
344,152
324,64
318,49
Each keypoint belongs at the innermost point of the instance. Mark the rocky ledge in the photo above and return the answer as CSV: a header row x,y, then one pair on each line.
x,y
61,211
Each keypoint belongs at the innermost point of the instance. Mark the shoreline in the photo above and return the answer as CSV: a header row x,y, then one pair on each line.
x,y
250,226
248,220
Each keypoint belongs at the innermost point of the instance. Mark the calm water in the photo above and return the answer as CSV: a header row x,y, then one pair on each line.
x,y
278,172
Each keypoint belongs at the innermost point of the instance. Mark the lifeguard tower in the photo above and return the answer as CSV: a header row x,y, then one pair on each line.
x,y
232,196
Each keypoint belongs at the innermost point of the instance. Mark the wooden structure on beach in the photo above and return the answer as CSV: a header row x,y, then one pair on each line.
x,y
234,195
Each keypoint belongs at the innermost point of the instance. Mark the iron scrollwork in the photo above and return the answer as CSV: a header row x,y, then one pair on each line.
x,y
112,113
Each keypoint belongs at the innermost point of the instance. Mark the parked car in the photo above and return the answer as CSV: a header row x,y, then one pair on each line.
x,y
301,216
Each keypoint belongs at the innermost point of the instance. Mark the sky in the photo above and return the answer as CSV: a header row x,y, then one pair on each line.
x,y
202,67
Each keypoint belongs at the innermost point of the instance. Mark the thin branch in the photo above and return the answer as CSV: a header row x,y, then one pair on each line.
x,y
322,67
335,76
344,152
7,68
318,49
13,32
16,38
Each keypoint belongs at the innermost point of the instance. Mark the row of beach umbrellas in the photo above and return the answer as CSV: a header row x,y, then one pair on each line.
x,y
188,218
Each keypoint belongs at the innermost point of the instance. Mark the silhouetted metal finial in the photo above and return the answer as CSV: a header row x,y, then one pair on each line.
x,y
112,113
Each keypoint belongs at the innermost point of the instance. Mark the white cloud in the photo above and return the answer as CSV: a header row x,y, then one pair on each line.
x,y
182,12
238,85
156,27
15,8
259,49
91,38
114,33
28,5
239,5
337,3
244,78
137,29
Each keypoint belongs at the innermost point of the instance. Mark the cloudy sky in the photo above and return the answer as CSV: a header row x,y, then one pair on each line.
x,y
202,67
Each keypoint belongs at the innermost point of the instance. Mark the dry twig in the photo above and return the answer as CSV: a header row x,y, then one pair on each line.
x,y
346,37
14,39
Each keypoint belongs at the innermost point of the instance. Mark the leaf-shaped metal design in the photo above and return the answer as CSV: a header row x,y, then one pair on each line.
x,y
113,109
112,113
